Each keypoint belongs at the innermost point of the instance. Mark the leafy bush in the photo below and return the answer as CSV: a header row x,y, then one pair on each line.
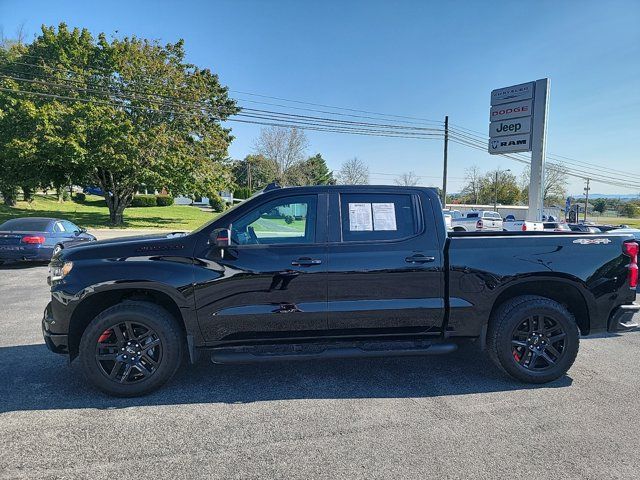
x,y
66,196
80,197
164,200
289,219
144,201
217,203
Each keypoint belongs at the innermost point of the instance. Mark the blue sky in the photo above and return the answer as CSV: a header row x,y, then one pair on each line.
x,y
422,59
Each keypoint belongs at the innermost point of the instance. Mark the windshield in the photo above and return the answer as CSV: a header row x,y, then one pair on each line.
x,y
26,225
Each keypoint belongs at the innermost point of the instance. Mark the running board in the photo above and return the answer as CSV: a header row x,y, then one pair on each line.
x,y
275,353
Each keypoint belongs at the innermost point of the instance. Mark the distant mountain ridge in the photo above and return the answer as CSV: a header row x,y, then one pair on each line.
x,y
610,195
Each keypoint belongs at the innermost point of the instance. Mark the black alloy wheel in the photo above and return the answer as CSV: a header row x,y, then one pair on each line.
x,y
533,339
128,352
538,343
131,348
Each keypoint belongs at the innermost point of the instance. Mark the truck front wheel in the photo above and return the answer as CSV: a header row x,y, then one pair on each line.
x,y
131,349
534,339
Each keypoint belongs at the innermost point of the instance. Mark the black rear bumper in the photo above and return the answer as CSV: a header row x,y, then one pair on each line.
x,y
55,342
623,318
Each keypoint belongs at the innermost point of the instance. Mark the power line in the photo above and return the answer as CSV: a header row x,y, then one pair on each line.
x,y
380,115
257,113
337,108
594,178
574,161
584,173
288,124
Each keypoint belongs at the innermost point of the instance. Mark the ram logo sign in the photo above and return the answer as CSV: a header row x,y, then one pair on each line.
x,y
513,143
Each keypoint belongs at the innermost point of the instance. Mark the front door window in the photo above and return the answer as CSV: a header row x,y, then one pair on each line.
x,y
289,220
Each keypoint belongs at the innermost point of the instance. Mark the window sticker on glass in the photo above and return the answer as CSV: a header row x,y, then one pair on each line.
x,y
384,216
360,217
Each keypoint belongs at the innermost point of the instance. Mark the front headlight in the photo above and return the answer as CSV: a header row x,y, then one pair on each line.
x,y
60,271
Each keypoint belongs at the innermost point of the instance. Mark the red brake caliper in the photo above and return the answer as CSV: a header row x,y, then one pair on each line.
x,y
105,336
516,356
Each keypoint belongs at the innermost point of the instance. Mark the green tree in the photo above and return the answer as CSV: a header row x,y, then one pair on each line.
x,y
312,171
554,187
123,112
508,192
599,205
254,172
285,147
18,118
629,210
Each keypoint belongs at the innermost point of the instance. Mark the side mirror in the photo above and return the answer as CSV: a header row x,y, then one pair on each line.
x,y
221,237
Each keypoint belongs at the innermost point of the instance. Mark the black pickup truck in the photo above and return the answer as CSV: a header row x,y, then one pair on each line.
x,y
334,271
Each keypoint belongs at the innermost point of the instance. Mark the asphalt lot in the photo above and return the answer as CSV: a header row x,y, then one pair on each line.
x,y
437,417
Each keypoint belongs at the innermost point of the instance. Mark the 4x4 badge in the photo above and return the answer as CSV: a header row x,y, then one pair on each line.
x,y
592,241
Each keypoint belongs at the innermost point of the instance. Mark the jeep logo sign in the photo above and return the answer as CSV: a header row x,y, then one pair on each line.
x,y
510,127
511,144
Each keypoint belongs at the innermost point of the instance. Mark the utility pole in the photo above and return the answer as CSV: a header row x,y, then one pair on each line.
x,y
249,177
586,200
444,172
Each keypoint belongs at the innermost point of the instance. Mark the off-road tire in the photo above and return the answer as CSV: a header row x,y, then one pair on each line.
x,y
150,315
512,313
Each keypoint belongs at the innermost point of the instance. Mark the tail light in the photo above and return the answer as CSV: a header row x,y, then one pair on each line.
x,y
479,225
33,239
631,249
524,227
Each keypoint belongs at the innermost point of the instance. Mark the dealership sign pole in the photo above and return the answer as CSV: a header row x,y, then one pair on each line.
x,y
518,123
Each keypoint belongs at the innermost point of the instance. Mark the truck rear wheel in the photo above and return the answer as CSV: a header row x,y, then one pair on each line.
x,y
533,339
131,349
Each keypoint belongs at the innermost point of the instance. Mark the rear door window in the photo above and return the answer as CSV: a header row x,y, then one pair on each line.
x,y
375,217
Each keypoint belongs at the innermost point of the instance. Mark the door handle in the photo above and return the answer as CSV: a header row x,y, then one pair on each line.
x,y
419,258
306,262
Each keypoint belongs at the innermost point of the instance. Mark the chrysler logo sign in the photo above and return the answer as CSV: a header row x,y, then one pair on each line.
x,y
523,91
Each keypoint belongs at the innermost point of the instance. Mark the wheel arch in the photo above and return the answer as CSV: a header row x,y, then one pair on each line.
x,y
563,291
92,305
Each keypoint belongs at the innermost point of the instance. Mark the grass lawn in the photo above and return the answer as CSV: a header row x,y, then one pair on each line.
x,y
632,222
93,213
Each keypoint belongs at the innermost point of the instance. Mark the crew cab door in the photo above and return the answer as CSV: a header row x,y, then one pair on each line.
x,y
385,263
271,281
